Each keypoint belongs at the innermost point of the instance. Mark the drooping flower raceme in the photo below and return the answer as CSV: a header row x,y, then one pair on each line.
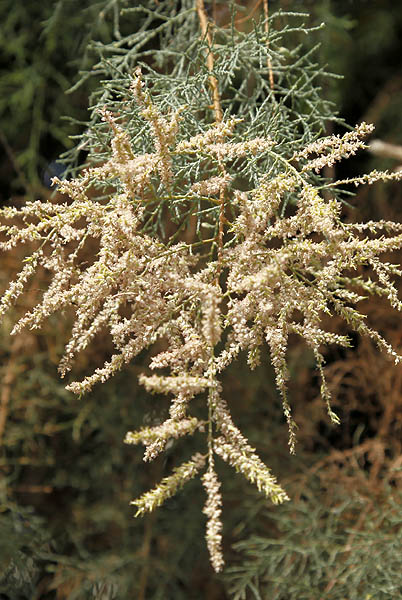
x,y
246,276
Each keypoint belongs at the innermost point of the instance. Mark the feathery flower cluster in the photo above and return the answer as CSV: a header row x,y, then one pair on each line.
x,y
169,485
213,511
333,148
264,275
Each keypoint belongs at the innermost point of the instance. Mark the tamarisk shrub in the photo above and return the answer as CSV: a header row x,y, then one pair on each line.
x,y
215,234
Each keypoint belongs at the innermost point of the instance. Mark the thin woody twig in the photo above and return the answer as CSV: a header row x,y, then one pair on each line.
x,y
386,150
381,101
218,118
221,225
249,15
8,381
210,60
32,489
269,63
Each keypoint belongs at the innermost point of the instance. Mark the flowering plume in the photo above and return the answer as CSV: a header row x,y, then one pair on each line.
x,y
251,277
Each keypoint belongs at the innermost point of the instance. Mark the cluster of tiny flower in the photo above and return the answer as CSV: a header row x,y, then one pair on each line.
x,y
274,275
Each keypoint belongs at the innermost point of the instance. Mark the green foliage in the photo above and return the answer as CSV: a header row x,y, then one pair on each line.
x,y
64,457
347,549
177,73
68,479
42,45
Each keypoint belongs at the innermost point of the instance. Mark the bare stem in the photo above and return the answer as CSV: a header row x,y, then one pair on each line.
x,y
221,227
386,150
11,373
206,32
269,64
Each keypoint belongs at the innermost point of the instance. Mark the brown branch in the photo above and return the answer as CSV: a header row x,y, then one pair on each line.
x,y
250,14
210,60
221,225
206,32
32,489
269,63
11,372
385,150
382,100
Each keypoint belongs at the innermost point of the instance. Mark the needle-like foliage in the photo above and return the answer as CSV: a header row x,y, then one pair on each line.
x,y
214,231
